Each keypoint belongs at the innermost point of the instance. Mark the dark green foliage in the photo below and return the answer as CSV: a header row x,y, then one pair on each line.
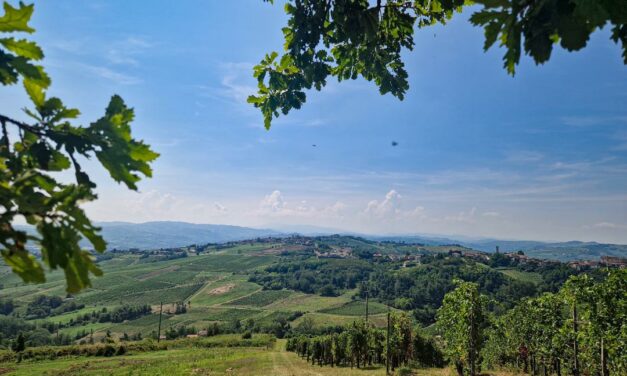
x,y
327,277
426,353
347,39
44,306
361,345
262,298
540,335
422,289
6,306
125,312
48,142
19,345
460,320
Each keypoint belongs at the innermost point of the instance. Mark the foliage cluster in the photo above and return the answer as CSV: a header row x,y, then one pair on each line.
x,y
33,152
327,277
347,39
361,345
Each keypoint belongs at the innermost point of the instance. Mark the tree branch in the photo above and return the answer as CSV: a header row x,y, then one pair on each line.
x,y
27,127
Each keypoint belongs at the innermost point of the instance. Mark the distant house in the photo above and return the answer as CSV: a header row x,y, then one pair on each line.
x,y
162,337
479,256
615,262
202,333
584,264
192,336
455,253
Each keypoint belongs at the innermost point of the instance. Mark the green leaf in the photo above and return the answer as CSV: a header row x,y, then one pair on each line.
x,y
35,92
22,47
30,71
16,19
24,265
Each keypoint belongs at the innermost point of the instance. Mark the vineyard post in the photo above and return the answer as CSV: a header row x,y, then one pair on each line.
x,y
159,332
387,355
366,304
575,343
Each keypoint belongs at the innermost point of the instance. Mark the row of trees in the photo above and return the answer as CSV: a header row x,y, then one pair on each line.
x,y
361,344
579,330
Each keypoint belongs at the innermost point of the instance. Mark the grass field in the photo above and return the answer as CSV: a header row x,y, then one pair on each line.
x,y
214,285
261,298
357,308
241,361
535,278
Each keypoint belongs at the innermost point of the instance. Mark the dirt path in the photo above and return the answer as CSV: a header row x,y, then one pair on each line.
x,y
284,365
240,297
209,283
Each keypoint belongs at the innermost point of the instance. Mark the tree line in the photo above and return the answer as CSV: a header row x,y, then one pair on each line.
x,y
362,344
579,330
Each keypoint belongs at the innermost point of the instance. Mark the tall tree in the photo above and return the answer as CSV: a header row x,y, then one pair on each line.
x,y
347,39
33,151
460,320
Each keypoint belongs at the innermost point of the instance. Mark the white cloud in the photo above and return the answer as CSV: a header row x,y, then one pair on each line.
x,y
111,75
491,214
587,121
390,206
128,51
273,202
524,156
608,225
463,216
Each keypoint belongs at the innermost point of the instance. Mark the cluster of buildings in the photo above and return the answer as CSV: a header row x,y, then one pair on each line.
x,y
605,261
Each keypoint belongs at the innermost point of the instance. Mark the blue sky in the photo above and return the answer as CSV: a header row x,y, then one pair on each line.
x,y
542,155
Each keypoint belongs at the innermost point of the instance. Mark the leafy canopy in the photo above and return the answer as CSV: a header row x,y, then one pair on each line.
x,y
33,152
347,39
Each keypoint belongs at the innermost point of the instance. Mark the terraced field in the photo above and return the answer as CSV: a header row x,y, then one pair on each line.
x,y
215,287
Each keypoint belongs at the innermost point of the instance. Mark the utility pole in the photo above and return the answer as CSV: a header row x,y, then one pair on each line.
x,y
575,344
159,332
472,340
366,303
387,355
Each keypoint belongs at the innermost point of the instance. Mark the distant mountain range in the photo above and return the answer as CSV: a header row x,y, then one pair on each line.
x,y
151,235
164,234
563,251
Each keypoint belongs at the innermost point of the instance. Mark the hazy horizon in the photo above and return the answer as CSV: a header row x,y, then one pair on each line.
x,y
541,156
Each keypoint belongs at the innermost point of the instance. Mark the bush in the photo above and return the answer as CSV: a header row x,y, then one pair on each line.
x,y
121,350
404,371
247,335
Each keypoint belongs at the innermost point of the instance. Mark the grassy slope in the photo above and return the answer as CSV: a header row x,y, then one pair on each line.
x,y
212,283
199,361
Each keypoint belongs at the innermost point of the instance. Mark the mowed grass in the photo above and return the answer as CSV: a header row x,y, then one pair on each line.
x,y
241,361
310,302
224,290
532,277
357,308
261,298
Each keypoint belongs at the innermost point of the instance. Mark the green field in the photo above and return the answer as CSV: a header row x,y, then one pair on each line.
x,y
532,277
357,308
262,298
222,355
214,285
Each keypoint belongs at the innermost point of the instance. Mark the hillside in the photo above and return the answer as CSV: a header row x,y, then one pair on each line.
x,y
264,288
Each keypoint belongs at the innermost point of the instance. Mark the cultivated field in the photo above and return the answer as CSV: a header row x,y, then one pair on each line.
x,y
242,361
214,286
